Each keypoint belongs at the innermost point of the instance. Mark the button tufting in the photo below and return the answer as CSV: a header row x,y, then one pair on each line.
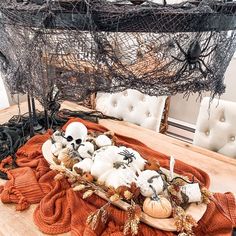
x,y
131,108
114,104
232,138
222,119
148,114
207,132
125,93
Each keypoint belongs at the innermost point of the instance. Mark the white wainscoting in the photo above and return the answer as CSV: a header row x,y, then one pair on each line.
x,y
180,130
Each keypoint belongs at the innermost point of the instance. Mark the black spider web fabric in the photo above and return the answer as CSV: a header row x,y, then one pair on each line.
x,y
57,50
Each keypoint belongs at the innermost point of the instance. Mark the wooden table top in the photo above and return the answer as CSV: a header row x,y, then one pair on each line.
x,y
221,169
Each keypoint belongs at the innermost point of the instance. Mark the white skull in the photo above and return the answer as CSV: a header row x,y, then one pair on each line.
x,y
75,134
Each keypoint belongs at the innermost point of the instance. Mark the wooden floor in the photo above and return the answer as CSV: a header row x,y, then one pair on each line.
x,y
221,169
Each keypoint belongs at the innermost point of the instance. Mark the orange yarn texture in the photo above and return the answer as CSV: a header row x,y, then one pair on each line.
x,y
60,209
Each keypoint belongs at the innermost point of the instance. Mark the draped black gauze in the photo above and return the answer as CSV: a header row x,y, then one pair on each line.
x,y
64,49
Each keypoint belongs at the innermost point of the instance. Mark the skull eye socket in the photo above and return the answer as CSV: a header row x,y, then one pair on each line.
x,y
69,138
78,141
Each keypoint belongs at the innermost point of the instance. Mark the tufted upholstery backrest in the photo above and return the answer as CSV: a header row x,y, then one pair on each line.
x,y
133,106
216,128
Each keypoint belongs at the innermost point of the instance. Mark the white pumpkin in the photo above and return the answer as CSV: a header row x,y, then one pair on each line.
x,y
103,177
100,167
137,162
120,177
109,153
86,150
102,140
147,178
108,168
85,165
56,148
57,137
103,160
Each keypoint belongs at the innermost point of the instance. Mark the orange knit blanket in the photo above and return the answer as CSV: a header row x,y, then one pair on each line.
x,y
61,209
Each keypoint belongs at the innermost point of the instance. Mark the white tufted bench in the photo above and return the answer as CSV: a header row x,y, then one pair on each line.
x,y
216,128
133,106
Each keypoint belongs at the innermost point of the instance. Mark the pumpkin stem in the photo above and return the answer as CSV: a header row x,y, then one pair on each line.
x,y
154,197
150,180
52,140
178,177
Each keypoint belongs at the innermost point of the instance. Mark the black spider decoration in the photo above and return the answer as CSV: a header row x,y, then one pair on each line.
x,y
128,156
194,57
52,100
51,104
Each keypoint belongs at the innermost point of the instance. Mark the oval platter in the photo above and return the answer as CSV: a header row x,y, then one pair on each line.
x,y
195,210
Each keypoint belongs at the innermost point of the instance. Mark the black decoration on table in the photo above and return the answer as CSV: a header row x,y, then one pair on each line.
x,y
15,132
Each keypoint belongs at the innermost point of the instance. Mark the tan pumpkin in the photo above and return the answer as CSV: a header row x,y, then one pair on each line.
x,y
69,162
66,159
157,207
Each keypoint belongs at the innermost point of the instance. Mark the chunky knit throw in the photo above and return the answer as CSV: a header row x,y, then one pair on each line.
x,y
60,209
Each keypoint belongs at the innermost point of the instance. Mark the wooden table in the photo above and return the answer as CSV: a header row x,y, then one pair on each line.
x,y
221,169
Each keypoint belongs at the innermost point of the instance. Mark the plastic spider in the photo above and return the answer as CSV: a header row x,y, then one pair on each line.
x,y
128,156
194,56
52,100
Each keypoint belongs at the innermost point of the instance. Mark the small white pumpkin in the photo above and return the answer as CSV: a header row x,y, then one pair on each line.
x,y
100,167
137,163
86,150
108,153
102,140
147,178
111,169
56,148
120,177
57,137
103,177
85,165
158,207
104,158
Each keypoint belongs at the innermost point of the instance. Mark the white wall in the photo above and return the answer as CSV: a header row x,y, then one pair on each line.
x,y
4,102
187,110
